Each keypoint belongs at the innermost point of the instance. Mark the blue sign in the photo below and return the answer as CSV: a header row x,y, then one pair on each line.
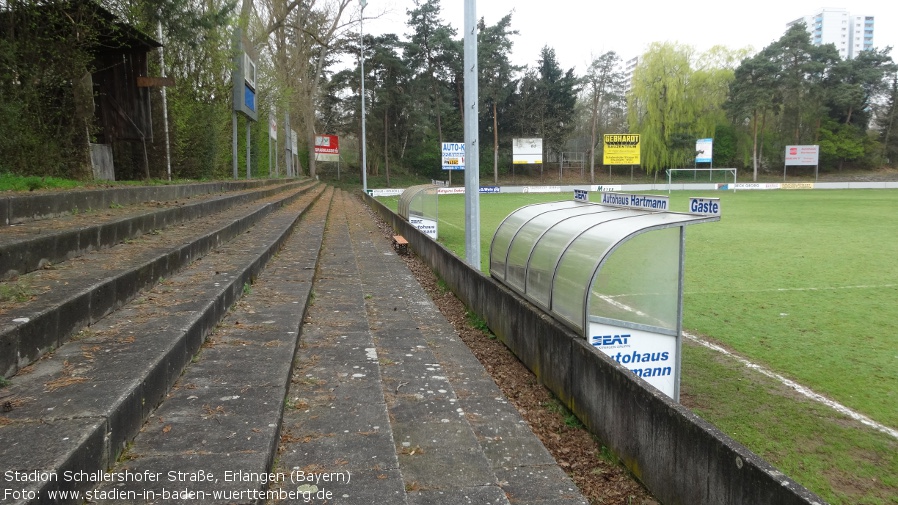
x,y
581,195
249,97
489,189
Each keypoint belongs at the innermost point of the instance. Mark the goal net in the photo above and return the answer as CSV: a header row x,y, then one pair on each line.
x,y
679,176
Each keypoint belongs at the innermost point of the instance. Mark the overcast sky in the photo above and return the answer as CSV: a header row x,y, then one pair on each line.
x,y
580,29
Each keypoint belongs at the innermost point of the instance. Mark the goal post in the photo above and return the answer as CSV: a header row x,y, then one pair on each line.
x,y
700,175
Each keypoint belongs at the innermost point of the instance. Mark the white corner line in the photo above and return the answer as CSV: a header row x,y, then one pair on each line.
x,y
798,387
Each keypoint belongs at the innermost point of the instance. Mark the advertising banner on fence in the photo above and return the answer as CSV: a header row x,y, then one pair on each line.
x,y
527,151
327,148
651,356
385,192
541,189
802,155
453,156
620,149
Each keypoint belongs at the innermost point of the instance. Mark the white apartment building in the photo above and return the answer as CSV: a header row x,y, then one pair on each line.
x,y
629,68
850,34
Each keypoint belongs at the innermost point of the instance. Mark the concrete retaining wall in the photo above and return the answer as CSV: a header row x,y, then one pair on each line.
x,y
678,456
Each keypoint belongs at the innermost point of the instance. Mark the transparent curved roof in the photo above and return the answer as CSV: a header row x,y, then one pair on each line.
x,y
584,261
419,201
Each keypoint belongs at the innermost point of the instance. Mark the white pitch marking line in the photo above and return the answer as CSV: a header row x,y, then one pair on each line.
x,y
773,290
807,392
798,387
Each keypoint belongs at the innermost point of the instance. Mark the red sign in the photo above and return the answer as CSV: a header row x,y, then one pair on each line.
x,y
327,144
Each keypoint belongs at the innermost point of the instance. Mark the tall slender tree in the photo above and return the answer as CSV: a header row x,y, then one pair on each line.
x,y
556,91
751,99
496,73
604,96
429,51
888,122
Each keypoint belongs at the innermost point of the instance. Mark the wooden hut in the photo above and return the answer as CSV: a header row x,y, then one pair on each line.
x,y
121,93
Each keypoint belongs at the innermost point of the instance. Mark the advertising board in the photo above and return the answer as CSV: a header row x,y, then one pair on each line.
x,y
646,202
621,149
527,151
651,356
424,225
802,155
704,150
327,148
453,155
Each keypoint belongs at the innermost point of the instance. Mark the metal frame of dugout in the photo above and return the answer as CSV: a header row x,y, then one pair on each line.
x,y
612,272
419,205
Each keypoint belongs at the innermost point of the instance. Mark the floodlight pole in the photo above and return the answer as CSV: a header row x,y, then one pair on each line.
x,y
472,155
362,60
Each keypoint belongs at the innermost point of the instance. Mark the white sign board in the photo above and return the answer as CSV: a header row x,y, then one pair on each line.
x,y
704,150
424,225
651,356
581,195
272,128
293,142
802,155
527,151
453,156
646,202
706,206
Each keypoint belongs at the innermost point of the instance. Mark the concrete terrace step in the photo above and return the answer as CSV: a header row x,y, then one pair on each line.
x,y
388,405
79,292
333,379
77,408
229,402
34,244
18,208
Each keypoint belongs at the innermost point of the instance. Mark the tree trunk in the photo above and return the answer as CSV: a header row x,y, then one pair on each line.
x,y
754,144
495,146
386,150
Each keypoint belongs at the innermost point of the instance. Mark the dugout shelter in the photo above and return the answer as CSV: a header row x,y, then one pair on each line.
x,y
611,271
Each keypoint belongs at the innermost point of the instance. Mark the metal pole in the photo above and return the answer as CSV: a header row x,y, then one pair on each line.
x,y
362,61
269,145
234,142
164,105
288,141
472,146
